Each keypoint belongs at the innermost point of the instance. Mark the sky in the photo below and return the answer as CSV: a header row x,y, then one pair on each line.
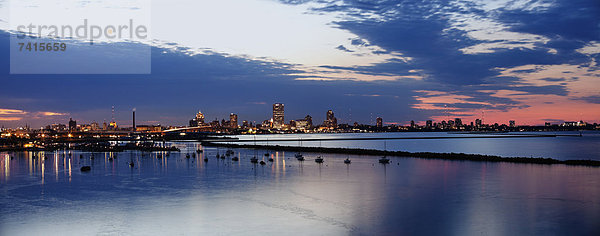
x,y
529,61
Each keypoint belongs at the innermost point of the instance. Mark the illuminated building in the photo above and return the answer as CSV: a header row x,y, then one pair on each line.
x,y
148,128
330,120
304,124
511,123
379,122
94,126
198,120
267,123
429,123
477,122
233,120
112,125
215,124
278,115
72,124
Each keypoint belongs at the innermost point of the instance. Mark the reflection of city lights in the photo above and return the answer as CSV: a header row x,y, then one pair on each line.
x,y
6,166
69,170
43,170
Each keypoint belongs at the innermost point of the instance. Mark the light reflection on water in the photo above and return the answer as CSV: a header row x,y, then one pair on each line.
x,y
177,195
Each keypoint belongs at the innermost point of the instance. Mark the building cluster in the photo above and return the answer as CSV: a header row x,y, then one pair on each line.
x,y
276,124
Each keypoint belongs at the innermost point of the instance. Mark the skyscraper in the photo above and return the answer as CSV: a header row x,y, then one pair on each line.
x,y
512,123
233,120
198,120
72,124
330,120
278,117
379,122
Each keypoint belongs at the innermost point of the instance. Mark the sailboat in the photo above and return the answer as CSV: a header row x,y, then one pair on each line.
x,y
384,159
254,159
299,155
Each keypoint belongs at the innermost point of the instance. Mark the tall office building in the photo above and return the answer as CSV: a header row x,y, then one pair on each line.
x,y
512,123
379,122
72,124
304,124
233,120
278,117
198,120
477,122
330,120
428,123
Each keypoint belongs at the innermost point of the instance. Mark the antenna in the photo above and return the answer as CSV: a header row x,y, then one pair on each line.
x,y
113,114
446,111
482,117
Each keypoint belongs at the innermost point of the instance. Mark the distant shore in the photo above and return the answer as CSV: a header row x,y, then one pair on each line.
x,y
426,155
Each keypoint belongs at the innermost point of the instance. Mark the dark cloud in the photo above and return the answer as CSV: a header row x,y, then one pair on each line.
x,y
554,79
217,84
590,99
342,48
422,31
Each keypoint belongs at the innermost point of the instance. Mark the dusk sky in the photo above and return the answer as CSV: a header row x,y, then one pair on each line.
x,y
529,61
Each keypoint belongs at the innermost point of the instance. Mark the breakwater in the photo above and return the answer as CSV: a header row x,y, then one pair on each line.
x,y
426,155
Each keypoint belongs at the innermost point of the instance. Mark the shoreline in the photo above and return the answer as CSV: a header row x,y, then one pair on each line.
x,y
424,155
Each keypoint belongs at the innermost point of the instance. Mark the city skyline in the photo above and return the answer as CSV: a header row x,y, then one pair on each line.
x,y
369,60
329,120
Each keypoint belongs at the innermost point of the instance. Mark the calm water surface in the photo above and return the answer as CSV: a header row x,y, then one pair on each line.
x,y
586,147
178,196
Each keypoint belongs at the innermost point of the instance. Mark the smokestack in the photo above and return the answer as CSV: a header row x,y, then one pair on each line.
x,y
133,119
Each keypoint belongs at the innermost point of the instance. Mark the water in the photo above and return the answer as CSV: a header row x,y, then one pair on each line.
x,y
174,195
586,147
